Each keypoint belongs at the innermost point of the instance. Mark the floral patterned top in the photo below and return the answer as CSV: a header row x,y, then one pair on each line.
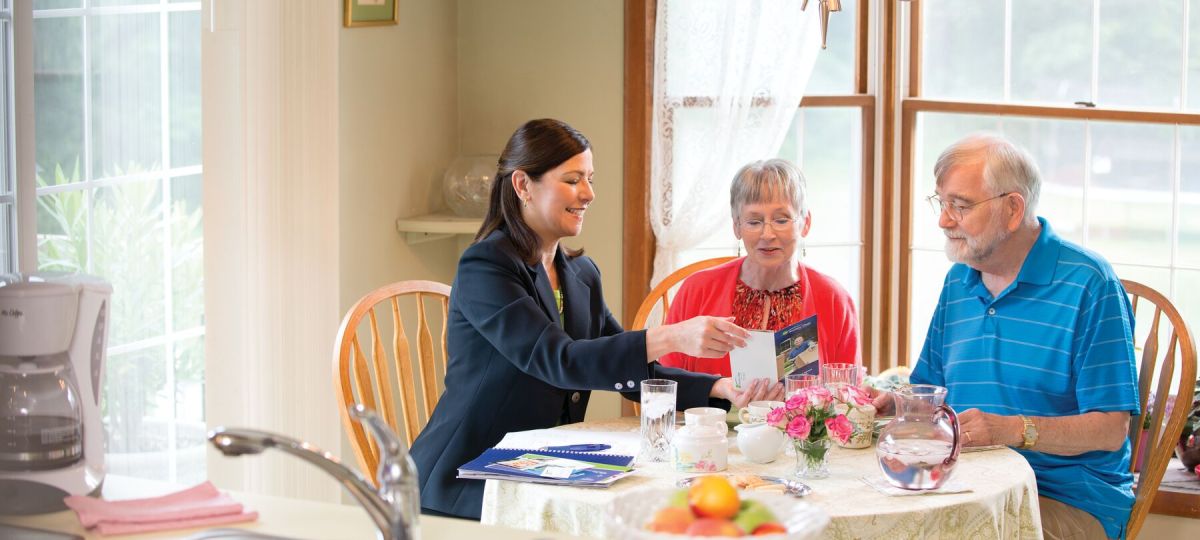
x,y
749,303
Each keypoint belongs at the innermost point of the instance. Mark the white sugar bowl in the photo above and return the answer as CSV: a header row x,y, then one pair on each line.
x,y
700,448
759,442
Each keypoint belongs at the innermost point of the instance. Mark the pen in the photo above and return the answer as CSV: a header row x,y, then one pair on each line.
x,y
578,447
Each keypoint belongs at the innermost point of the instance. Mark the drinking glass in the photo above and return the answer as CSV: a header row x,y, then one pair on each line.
x,y
838,375
796,382
658,419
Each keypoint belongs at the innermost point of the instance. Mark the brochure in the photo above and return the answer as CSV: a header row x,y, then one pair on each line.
x,y
773,355
548,467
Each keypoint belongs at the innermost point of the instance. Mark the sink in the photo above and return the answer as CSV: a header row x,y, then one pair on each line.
x,y
233,534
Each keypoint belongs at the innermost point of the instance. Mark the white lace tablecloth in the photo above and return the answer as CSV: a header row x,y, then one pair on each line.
x,y
1001,503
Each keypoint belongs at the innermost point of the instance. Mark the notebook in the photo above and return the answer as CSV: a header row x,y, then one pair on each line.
x,y
581,469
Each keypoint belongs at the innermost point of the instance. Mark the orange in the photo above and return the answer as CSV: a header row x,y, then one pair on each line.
x,y
713,497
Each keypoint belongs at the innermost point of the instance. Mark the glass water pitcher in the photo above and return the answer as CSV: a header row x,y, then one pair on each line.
x,y
919,448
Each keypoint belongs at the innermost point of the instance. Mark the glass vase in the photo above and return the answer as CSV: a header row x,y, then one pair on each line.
x,y
467,184
812,458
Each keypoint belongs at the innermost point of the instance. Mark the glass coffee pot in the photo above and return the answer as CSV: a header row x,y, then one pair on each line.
x,y
41,423
919,448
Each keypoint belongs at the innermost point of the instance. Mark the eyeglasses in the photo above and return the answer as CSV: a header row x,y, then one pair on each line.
x,y
957,211
777,225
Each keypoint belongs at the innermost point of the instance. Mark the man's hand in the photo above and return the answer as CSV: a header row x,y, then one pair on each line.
x,y
977,428
757,390
884,402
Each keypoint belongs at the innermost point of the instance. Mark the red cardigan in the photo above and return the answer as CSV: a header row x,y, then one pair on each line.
x,y
710,292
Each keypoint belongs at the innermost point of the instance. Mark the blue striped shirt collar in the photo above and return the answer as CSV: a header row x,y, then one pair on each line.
x,y
1042,260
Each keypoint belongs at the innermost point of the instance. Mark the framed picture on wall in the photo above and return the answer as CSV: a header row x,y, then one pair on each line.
x,y
371,12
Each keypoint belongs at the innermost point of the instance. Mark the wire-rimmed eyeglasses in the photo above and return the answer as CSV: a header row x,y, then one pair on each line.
x,y
756,225
954,210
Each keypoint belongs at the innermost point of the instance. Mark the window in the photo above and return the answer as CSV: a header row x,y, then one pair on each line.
x,y
831,139
1106,115
1106,98
118,194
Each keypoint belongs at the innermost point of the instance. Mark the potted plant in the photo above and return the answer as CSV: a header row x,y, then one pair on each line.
x,y
1188,450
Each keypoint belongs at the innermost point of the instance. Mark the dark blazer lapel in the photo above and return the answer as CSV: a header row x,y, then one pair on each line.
x,y
545,294
576,301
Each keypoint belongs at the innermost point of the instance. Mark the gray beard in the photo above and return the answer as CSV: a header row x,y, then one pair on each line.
x,y
979,248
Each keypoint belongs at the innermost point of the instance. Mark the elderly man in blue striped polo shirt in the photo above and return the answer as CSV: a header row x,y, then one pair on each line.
x,y
1033,338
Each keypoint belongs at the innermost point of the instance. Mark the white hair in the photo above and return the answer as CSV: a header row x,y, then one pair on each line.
x,y
1007,168
764,181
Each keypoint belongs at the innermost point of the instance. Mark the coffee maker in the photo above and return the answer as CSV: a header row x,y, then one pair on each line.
x,y
53,334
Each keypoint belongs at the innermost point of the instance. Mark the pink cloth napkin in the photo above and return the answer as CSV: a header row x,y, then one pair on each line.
x,y
197,506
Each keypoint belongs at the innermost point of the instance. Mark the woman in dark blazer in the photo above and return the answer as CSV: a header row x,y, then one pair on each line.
x,y
529,334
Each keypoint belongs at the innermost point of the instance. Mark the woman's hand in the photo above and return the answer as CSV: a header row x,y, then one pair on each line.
x,y
702,337
757,390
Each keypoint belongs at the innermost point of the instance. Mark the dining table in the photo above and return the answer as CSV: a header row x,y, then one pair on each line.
x,y
991,494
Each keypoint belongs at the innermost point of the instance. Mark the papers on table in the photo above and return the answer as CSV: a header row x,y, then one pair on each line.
x,y
626,443
579,469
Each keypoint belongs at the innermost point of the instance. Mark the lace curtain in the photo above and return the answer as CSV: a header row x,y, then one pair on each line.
x,y
728,77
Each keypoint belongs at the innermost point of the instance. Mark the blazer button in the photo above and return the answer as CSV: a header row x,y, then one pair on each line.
x,y
618,386
575,397
629,384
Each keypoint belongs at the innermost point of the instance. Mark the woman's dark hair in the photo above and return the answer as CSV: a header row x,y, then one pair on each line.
x,y
535,147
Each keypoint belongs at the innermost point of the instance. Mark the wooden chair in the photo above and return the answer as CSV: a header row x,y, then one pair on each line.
x,y
1178,369
372,375
661,292
660,295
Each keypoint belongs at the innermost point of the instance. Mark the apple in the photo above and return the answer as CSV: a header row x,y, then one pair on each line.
x,y
678,499
752,514
770,527
672,519
713,527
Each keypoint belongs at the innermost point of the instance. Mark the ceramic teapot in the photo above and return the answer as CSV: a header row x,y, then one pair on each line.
x,y
759,442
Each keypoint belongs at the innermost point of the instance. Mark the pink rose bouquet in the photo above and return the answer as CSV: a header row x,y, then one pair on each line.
x,y
810,415
812,419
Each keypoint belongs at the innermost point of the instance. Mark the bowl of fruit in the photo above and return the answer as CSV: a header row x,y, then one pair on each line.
x,y
712,506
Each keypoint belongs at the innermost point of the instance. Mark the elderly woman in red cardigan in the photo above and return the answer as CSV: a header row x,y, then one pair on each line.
x,y
770,288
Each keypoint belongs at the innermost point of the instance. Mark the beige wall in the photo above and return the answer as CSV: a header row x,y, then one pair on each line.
x,y
525,59
398,115
463,75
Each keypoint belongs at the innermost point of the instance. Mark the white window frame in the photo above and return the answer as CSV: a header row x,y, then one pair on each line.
x,y
25,234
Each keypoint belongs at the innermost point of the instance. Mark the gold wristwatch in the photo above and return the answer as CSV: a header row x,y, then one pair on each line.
x,y
1029,433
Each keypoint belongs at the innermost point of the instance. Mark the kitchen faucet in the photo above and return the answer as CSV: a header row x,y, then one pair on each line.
x,y
394,507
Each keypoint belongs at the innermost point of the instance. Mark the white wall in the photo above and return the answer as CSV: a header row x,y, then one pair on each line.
x,y
525,59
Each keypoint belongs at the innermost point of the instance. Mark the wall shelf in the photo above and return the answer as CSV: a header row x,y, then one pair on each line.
x,y
436,226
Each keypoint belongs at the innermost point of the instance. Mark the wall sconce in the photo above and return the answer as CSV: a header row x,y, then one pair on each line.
x,y
827,7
